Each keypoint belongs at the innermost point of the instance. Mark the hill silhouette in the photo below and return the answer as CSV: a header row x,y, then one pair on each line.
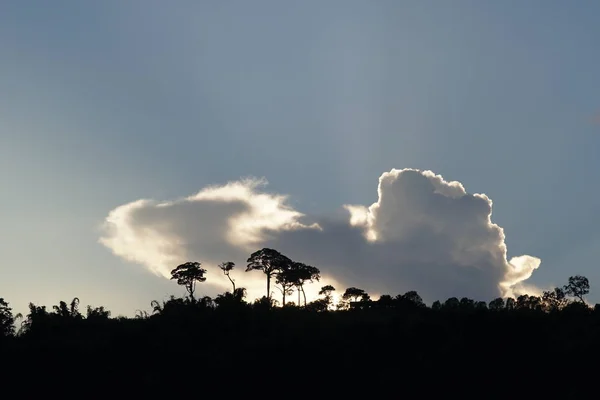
x,y
393,347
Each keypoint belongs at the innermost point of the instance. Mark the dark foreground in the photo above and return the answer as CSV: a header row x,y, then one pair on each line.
x,y
291,353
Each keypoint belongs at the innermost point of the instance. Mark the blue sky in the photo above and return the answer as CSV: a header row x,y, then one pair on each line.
x,y
105,103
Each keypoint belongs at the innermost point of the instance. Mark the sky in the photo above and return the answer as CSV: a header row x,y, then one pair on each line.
x,y
135,135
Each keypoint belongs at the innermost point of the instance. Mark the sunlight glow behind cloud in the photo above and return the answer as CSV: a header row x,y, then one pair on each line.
x,y
423,233
413,202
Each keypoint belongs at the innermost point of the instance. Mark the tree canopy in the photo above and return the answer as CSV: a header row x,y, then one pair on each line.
x,y
270,262
187,274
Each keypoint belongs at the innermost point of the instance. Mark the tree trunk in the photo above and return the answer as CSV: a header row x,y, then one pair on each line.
x,y
191,290
268,286
232,282
304,294
284,295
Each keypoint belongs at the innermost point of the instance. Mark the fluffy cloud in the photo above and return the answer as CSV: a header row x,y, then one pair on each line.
x,y
219,223
423,234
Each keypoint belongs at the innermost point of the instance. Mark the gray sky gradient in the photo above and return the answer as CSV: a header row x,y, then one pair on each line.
x,y
109,102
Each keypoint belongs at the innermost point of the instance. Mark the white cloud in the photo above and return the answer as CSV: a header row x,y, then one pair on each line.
x,y
219,223
423,234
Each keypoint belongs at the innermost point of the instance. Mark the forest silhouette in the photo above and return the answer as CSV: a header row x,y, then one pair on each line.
x,y
395,346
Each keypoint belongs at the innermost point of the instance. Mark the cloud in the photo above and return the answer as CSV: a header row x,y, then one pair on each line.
x,y
423,233
219,223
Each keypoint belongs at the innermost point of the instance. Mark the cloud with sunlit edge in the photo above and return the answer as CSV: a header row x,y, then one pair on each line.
x,y
422,233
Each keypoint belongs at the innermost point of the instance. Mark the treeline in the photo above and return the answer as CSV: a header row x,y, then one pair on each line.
x,y
393,346
289,276
68,315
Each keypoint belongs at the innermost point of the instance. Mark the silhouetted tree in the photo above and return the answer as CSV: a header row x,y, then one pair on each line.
x,y
385,301
451,304
522,302
173,306
576,309
326,301
37,318
497,304
187,275
206,302
353,294
264,303
97,313
318,305
577,287
527,302
510,304
535,303
467,304
428,341
226,267
229,300
67,311
326,290
554,300
287,278
157,308
305,273
7,322
268,261
411,299
342,304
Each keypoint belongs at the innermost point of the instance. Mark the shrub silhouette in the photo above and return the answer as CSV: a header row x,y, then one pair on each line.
x,y
457,345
